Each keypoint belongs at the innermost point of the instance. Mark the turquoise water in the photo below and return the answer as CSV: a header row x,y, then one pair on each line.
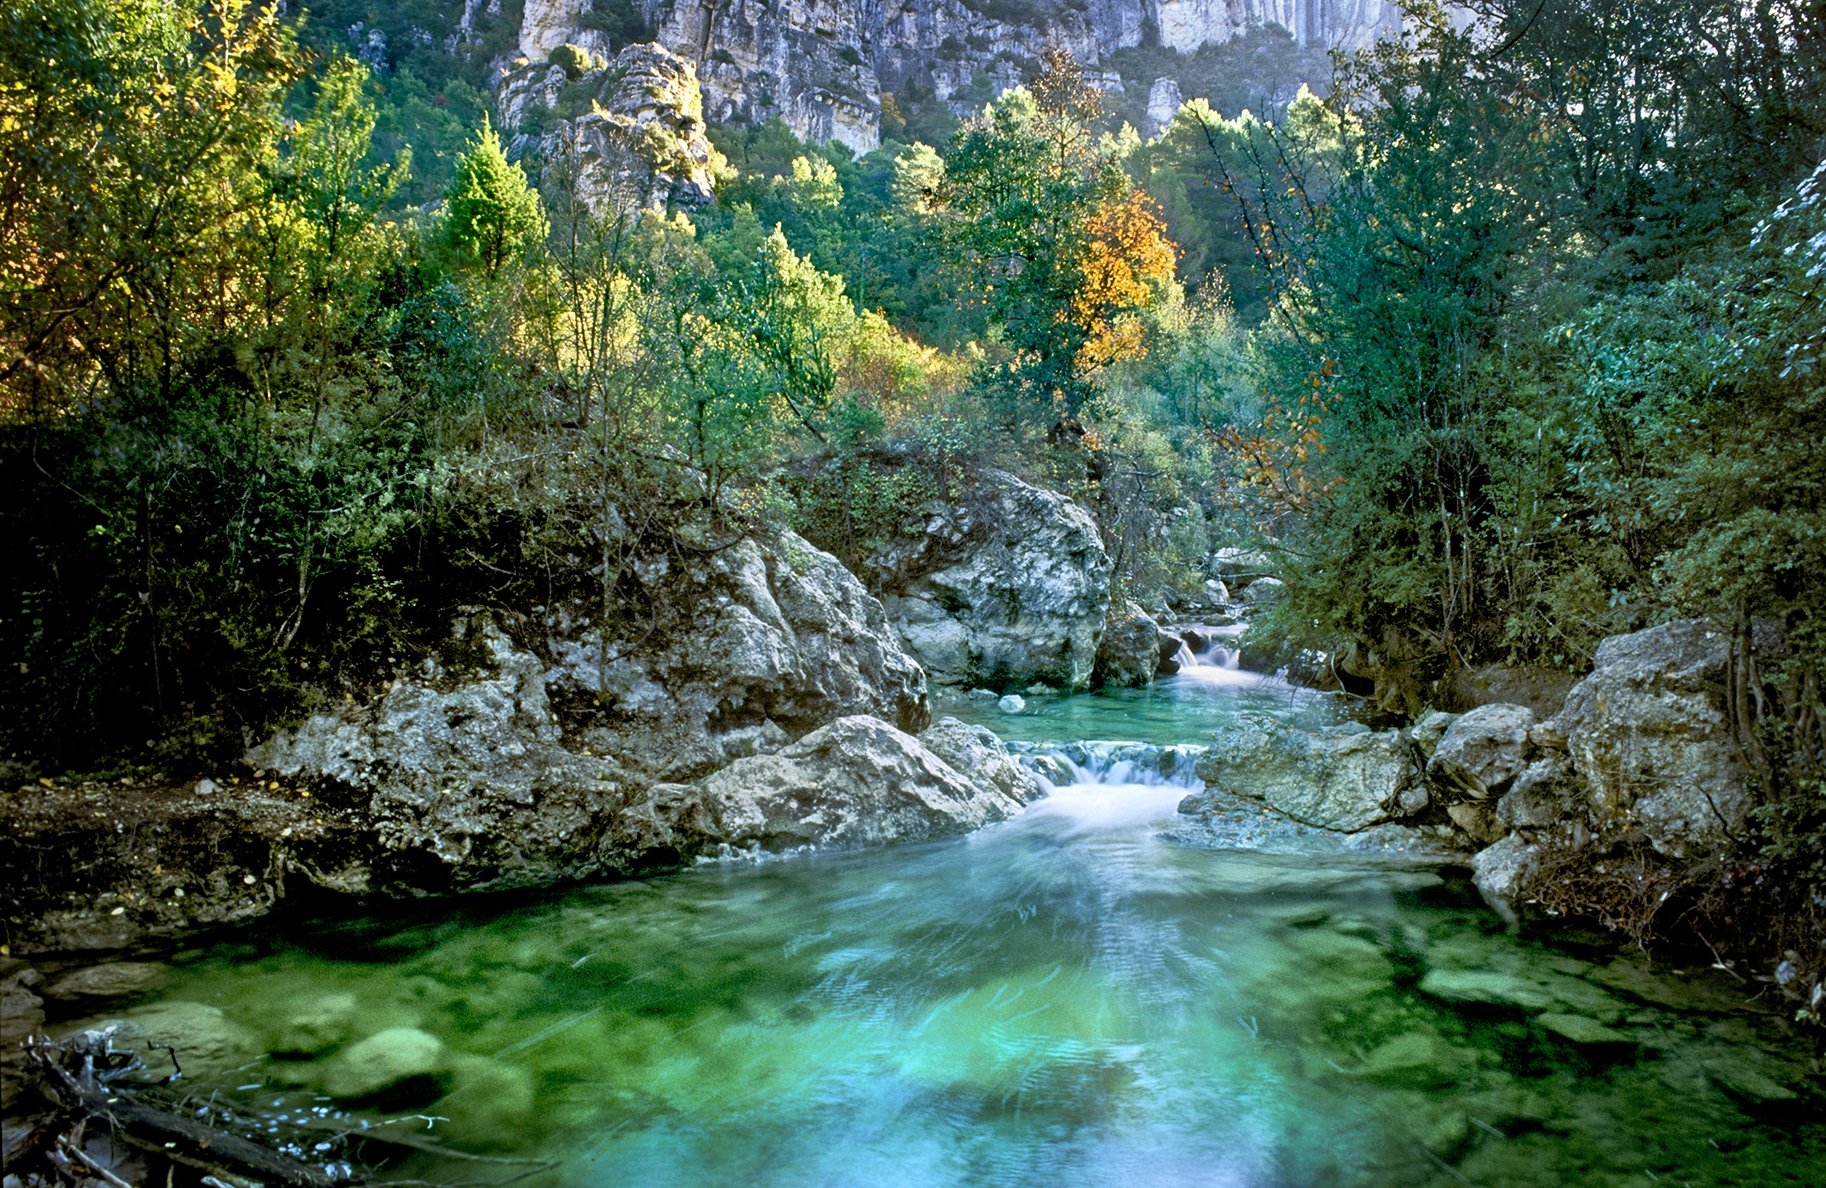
x,y
1187,708
1068,998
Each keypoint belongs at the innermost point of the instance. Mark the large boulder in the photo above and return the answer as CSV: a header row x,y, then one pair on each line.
x,y
1481,752
858,781
1338,778
1649,734
527,752
1006,587
976,752
1129,654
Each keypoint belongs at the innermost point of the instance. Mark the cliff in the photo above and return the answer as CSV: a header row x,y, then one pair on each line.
x,y
822,65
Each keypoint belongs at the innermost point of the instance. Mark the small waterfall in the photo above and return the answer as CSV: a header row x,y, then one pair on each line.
x,y
1111,764
1206,655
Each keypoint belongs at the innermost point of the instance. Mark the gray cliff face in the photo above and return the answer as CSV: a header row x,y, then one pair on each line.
x,y
641,144
822,65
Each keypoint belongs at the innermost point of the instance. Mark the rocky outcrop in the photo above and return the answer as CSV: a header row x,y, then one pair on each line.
x,y
856,782
1003,588
1345,778
529,750
1129,654
1642,748
638,142
1650,737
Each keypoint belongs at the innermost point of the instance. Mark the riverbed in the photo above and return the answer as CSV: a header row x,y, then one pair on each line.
x,y
1073,997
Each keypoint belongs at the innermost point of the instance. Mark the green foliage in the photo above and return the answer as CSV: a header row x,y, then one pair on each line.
x,y
620,20
1015,220
575,61
492,215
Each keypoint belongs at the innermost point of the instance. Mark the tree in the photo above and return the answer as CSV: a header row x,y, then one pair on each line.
x,y
493,215
140,140
1037,215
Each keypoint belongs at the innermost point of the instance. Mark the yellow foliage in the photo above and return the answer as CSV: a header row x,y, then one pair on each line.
x,y
1127,261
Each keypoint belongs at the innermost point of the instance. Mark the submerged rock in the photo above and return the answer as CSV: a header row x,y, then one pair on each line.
x,y
116,979
1334,779
858,781
385,1062
1582,1030
207,1042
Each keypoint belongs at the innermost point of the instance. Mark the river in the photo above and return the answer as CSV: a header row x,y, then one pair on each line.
x,y
1072,997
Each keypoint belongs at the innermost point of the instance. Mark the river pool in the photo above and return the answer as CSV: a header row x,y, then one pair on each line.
x,y
1068,998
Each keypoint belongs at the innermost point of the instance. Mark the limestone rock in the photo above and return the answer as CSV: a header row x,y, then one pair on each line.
x,y
481,771
1738,1074
1415,1059
1431,727
317,1026
207,1041
21,1015
1237,568
1581,1030
1263,591
642,142
1481,751
1490,987
386,1061
976,753
1650,737
1503,869
1007,587
1163,104
1332,779
116,979
1129,652
858,781
1540,796
1477,819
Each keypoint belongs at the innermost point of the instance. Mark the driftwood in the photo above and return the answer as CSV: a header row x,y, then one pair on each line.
x,y
84,1093
180,1139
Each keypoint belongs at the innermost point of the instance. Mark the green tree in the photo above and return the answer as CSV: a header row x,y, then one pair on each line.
x,y
1036,215
493,216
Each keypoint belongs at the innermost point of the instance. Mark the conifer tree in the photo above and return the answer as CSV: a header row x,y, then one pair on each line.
x,y
493,215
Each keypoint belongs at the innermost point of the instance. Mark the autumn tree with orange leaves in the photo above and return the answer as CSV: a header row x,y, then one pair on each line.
x,y
1039,222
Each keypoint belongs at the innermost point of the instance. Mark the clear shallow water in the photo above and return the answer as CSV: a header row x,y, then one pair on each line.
x,y
1187,708
1064,999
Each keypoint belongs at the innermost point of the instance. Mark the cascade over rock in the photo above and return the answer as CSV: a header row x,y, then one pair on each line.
x,y
1004,588
823,65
